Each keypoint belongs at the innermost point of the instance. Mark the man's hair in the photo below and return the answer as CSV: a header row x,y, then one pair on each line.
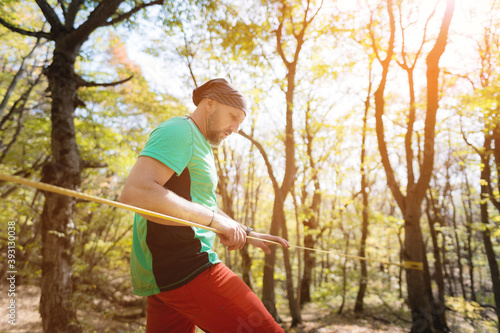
x,y
221,91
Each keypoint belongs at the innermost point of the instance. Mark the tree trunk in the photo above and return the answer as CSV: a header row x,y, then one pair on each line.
x,y
290,168
488,244
309,264
311,224
459,250
400,269
292,304
413,251
250,204
470,264
56,307
268,294
438,269
277,222
363,281
246,267
344,269
227,198
469,220
492,261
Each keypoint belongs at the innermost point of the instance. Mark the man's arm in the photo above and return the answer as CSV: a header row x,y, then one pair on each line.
x,y
144,188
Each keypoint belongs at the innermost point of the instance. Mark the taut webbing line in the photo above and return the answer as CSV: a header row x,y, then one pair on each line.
x,y
88,197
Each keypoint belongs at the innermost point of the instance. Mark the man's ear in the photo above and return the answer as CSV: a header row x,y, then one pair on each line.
x,y
210,105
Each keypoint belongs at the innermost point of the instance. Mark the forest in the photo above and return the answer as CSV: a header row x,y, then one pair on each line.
x,y
372,145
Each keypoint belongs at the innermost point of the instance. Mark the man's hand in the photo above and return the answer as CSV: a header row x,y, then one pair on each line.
x,y
264,245
232,233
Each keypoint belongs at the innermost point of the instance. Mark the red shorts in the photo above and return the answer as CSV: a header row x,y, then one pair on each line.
x,y
216,301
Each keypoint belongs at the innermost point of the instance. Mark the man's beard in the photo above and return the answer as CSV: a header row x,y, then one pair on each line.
x,y
213,134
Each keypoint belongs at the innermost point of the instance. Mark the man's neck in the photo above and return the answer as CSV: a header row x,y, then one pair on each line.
x,y
198,118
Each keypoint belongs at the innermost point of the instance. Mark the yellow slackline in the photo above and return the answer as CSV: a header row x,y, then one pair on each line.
x,y
88,197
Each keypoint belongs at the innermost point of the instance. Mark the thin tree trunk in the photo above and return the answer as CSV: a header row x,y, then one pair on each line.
x,y
227,198
277,221
436,250
290,167
468,226
458,249
311,221
268,294
344,271
298,252
309,264
250,204
469,220
400,270
246,266
363,280
292,304
488,244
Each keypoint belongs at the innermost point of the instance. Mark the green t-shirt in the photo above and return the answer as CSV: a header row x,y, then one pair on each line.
x,y
167,257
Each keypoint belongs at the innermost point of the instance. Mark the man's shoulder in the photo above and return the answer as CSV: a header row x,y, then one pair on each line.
x,y
175,122
171,143
174,126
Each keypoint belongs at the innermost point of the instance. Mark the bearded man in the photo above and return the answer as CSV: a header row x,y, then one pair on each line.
x,y
174,265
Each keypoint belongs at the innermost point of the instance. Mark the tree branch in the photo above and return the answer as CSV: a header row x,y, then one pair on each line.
x,y
266,160
17,108
83,83
49,14
127,15
14,138
16,78
37,34
63,6
94,165
96,19
317,11
25,173
425,33
71,14
433,97
300,37
279,43
466,140
379,112
372,36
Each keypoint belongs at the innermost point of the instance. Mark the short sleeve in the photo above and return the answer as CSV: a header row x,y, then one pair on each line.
x,y
171,143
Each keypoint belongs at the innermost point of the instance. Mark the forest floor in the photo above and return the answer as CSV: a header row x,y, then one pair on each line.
x,y
317,318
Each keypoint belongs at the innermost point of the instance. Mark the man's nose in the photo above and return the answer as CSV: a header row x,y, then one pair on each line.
x,y
235,128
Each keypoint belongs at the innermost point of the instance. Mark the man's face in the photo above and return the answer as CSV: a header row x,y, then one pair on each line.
x,y
222,122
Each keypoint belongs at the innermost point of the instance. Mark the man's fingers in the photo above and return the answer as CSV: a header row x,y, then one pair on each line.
x,y
280,240
265,248
235,240
284,242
